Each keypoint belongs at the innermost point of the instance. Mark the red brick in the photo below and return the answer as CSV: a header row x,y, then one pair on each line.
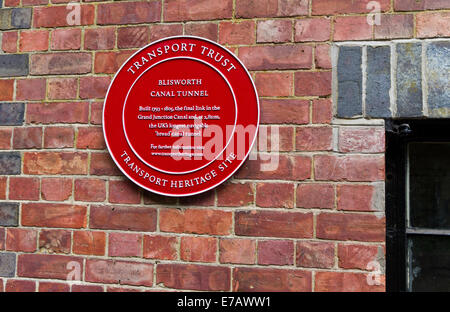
x,y
25,138
24,240
102,164
6,89
128,13
274,31
156,199
356,256
206,30
56,16
11,3
395,26
430,25
242,32
62,88
133,37
235,194
54,215
256,8
91,138
361,139
119,272
358,227
344,282
63,163
99,38
66,39
5,139
198,221
349,168
276,252
110,62
356,197
125,245
322,111
190,10
2,194
312,83
58,137
87,288
123,218
275,138
124,192
23,188
56,189
414,5
94,87
122,289
198,249
315,196
160,247
276,57
96,112
284,111
313,29
160,31
13,285
274,224
89,243
322,56
265,83
47,266
204,199
275,195
61,63
238,251
36,2
55,241
30,89
293,7
48,113
315,254
314,139
53,287
9,41
352,28
331,7
271,280
91,190
193,277
33,40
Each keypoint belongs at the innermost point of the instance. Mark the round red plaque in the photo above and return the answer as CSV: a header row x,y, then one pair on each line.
x,y
181,116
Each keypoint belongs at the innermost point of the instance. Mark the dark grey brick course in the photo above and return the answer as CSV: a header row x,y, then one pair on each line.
x,y
409,80
21,18
378,81
10,163
12,114
7,264
12,65
9,214
349,82
438,78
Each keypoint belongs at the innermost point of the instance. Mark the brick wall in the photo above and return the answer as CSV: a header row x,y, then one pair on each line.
x,y
314,223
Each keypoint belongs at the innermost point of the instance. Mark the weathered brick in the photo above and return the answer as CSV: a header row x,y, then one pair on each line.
x,y
102,164
33,40
55,241
99,38
193,277
315,196
293,7
274,224
344,282
110,62
10,163
266,81
9,214
361,139
30,137
235,194
151,198
198,249
276,252
128,13
30,89
203,199
21,18
87,288
352,28
2,196
90,138
313,29
205,30
91,190
96,112
275,139
5,139
63,163
358,227
7,264
54,215
409,79
12,65
242,32
275,195
315,254
58,137
6,89
276,57
312,83
89,243
329,7
437,77
322,56
185,10
274,31
46,266
94,87
256,8
349,82
414,5
160,31
123,218
284,111
236,250
9,41
160,247
352,256
314,139
124,192
393,26
271,280
61,63
56,189
360,197
64,112
119,272
56,16
66,39
133,37
53,287
378,81
62,88
21,240
124,245
322,111
23,188
349,168
14,285
198,221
